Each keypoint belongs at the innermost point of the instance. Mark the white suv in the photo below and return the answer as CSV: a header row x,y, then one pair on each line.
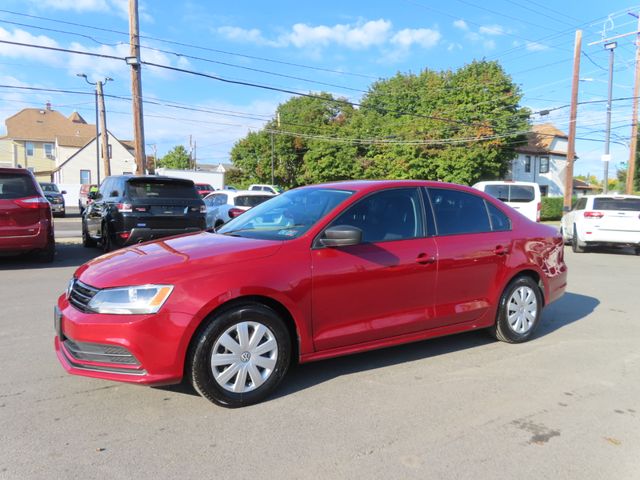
x,y
603,220
223,205
524,197
266,188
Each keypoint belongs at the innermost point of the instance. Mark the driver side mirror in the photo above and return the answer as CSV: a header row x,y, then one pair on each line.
x,y
341,236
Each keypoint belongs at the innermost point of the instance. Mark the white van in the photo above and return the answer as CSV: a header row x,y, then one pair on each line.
x,y
522,196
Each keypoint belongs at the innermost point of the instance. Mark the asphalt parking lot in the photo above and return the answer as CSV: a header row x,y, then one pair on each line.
x,y
565,405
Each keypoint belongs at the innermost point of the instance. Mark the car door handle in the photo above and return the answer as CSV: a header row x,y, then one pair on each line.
x,y
425,259
501,250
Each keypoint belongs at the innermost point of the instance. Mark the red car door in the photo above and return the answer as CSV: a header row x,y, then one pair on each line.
x,y
473,244
382,287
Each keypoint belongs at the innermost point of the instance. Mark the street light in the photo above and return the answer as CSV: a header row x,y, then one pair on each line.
x,y
107,79
607,137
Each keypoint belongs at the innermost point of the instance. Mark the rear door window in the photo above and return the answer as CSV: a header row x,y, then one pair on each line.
x,y
458,212
16,186
251,200
512,193
626,204
143,189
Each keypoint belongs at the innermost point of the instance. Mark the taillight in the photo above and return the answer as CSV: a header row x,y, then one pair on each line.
x,y
32,202
593,214
538,210
125,208
124,235
234,212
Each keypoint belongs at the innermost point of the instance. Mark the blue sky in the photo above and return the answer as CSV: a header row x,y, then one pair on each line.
x,y
340,47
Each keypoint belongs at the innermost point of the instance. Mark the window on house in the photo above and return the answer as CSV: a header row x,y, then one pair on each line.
x,y
85,177
544,164
48,150
527,164
29,148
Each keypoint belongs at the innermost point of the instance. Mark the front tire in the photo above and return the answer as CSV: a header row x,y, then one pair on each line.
x,y
106,241
519,311
240,356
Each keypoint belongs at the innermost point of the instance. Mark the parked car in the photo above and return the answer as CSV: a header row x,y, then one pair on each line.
x,y
26,224
83,197
524,197
131,209
55,198
204,189
266,188
317,272
603,221
223,205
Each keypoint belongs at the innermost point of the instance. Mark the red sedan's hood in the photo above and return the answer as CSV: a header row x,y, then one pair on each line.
x,y
164,261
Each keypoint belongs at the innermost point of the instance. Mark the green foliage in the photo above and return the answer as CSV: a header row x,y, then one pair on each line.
x,y
551,208
460,126
177,159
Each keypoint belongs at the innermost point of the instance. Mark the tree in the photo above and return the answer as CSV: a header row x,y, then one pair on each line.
x,y
459,126
177,159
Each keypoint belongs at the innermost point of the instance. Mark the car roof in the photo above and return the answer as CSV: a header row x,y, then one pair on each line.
x,y
23,171
240,192
610,195
372,185
506,182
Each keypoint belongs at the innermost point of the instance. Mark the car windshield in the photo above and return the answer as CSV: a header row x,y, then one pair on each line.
x,y
49,187
16,186
161,189
286,216
628,204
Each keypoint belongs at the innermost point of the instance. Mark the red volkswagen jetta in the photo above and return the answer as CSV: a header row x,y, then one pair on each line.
x,y
316,272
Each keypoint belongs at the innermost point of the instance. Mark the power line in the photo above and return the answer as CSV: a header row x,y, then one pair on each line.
x,y
199,47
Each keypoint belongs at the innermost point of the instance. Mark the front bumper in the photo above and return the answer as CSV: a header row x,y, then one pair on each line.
x,y
141,349
57,207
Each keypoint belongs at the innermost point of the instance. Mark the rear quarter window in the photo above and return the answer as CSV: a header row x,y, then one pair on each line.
x,y
155,189
16,186
628,204
251,200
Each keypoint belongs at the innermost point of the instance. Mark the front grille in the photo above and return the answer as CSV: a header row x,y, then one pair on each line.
x,y
81,294
96,352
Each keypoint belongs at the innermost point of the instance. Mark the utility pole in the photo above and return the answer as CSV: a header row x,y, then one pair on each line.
x,y
105,136
571,148
195,158
136,86
631,166
611,46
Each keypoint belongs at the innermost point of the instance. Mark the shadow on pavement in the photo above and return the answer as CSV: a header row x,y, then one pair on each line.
x,y
67,255
570,308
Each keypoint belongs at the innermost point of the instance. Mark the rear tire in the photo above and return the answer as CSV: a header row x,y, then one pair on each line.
x,y
240,356
48,253
106,241
576,245
519,311
87,241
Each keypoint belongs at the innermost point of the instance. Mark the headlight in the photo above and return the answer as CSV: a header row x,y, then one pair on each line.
x,y
70,286
131,300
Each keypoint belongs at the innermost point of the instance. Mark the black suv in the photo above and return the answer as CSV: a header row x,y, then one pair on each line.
x,y
130,209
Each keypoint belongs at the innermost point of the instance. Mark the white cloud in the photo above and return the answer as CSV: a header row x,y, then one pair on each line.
x,y
536,47
119,7
452,47
461,24
425,37
359,36
27,53
492,30
242,35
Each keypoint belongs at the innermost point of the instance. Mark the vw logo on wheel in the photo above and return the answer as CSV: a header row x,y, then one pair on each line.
x,y
245,356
